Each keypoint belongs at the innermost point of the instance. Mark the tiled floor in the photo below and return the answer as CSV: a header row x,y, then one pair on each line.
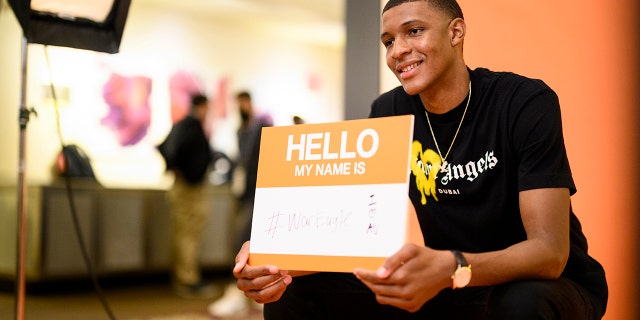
x,y
128,299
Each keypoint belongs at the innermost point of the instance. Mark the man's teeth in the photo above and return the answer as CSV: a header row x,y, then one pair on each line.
x,y
409,68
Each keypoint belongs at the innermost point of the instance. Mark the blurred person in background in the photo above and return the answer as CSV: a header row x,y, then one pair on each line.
x,y
298,120
243,187
187,155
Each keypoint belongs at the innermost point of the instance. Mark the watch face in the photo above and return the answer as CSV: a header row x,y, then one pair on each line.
x,y
461,277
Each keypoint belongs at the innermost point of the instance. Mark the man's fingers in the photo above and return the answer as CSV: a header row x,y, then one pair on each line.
x,y
404,255
366,275
272,292
241,258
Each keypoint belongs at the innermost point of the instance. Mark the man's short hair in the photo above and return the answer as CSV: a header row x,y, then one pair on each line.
x,y
244,94
198,99
450,7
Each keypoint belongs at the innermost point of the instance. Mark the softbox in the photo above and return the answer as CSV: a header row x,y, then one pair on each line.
x,y
95,25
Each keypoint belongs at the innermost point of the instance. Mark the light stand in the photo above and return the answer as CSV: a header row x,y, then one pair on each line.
x,y
48,22
22,190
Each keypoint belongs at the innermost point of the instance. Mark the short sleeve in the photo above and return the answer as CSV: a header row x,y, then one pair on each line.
x,y
539,143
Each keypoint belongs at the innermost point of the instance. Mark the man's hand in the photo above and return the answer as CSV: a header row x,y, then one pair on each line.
x,y
263,284
410,277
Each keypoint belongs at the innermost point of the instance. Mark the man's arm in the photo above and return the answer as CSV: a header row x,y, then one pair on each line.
x,y
416,274
545,215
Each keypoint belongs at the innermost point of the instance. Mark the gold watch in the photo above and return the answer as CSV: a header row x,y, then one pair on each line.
x,y
462,276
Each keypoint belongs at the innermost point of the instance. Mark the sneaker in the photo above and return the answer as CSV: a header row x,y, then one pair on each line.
x,y
199,290
232,303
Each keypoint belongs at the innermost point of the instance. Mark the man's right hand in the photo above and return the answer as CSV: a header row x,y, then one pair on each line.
x,y
263,284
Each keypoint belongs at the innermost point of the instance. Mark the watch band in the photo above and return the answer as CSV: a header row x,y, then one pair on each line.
x,y
460,258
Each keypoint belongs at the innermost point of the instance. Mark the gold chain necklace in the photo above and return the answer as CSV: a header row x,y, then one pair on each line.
x,y
443,167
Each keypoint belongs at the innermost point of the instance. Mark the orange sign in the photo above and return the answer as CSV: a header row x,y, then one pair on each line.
x,y
334,196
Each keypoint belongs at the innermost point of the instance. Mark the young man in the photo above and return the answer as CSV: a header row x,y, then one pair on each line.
x,y
187,154
491,186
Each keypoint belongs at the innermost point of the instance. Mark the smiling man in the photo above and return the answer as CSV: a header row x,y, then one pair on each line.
x,y
491,185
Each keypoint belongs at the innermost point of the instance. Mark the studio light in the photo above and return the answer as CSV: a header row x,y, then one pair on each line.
x,y
95,25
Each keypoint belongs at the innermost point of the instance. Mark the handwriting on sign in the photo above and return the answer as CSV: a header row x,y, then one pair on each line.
x,y
292,221
298,221
373,227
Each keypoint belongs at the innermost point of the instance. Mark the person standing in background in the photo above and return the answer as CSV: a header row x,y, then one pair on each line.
x,y
243,187
298,120
187,154
246,172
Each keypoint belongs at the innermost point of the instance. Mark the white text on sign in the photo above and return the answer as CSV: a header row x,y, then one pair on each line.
x,y
316,146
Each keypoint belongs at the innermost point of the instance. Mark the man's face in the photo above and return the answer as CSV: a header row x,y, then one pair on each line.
x,y
201,111
245,108
418,42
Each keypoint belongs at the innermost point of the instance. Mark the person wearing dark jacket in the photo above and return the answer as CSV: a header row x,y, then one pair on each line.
x,y
243,186
187,154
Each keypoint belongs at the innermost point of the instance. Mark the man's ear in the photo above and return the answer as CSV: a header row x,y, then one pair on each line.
x,y
457,31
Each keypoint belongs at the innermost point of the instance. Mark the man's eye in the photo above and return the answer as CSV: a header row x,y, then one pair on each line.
x,y
415,30
387,43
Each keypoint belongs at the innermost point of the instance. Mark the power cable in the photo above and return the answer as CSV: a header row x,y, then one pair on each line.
x,y
74,215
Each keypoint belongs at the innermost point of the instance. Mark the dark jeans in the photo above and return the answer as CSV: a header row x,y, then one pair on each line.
x,y
342,296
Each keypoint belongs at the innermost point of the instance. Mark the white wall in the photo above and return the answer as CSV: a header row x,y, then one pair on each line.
x,y
9,94
388,80
286,75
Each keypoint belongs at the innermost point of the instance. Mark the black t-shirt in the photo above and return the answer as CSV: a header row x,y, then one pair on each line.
x,y
510,140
